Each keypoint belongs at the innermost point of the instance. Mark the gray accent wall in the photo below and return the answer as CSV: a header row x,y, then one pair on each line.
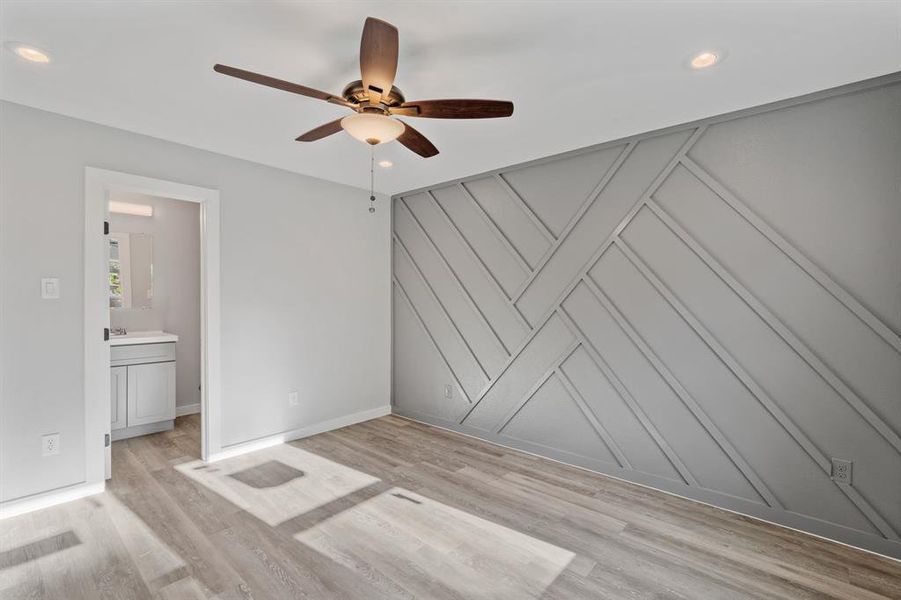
x,y
712,310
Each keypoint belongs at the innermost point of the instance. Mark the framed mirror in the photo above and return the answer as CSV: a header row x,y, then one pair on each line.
x,y
130,270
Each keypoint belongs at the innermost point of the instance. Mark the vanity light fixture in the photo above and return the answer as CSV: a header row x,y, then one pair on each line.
x,y
126,208
29,53
704,60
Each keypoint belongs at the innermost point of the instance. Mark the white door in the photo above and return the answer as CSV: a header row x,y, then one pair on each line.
x,y
118,392
151,393
117,380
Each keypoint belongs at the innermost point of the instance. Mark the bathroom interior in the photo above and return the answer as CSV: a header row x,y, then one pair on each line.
x,y
155,312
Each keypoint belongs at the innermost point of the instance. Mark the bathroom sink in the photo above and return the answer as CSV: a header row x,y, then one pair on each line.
x,y
142,337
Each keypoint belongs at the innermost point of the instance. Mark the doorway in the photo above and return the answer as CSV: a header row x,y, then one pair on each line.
x,y
102,186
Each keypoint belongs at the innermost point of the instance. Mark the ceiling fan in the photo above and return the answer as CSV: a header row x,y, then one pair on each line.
x,y
375,100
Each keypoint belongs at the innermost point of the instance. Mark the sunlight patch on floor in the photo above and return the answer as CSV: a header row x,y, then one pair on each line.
x,y
428,546
90,535
244,480
151,555
183,589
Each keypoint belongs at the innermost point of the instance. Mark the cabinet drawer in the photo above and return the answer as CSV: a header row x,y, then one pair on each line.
x,y
142,353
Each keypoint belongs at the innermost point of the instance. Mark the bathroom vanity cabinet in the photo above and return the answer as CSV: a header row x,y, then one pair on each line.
x,y
142,385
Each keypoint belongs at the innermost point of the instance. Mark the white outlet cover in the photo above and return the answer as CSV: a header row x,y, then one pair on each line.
x,y
50,444
449,392
293,399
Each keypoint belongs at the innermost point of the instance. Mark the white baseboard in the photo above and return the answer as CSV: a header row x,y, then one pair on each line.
x,y
187,409
48,499
296,434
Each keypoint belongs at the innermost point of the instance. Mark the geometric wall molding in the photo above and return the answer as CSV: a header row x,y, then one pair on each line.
x,y
712,310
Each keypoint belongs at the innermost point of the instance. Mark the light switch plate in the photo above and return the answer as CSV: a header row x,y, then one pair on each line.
x,y
293,399
50,288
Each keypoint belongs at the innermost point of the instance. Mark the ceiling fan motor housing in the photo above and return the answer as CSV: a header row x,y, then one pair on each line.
x,y
355,93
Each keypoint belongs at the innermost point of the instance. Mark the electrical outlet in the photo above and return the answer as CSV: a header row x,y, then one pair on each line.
x,y
449,392
841,471
293,399
50,444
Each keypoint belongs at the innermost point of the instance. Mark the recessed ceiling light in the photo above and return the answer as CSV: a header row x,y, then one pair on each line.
x,y
386,164
704,60
29,53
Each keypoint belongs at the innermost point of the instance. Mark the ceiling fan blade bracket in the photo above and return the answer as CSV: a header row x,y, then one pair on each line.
x,y
341,102
404,111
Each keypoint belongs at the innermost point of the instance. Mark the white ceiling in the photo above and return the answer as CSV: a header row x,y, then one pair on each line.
x,y
579,73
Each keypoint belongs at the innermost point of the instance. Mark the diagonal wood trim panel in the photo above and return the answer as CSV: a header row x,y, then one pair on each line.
x,y
711,313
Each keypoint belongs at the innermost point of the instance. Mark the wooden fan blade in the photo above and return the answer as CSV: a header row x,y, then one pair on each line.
x,y
321,131
378,58
417,142
455,109
280,84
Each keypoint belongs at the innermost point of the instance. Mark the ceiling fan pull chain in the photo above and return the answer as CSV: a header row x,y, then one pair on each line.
x,y
372,179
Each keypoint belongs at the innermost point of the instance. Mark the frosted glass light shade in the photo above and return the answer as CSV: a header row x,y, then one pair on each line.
x,y
372,128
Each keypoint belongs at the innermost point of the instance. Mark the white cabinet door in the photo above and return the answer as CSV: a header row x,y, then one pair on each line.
x,y
117,397
151,393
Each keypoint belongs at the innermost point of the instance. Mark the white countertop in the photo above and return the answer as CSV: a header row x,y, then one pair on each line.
x,y
142,337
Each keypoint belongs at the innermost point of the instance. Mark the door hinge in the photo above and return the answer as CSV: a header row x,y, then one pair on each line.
x,y
106,440
106,228
106,334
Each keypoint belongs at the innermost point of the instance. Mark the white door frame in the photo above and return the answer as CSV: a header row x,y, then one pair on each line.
x,y
98,183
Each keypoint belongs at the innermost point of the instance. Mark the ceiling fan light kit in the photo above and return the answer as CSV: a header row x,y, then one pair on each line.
x,y
372,128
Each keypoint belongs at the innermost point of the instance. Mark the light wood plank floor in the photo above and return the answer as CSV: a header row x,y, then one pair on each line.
x,y
396,509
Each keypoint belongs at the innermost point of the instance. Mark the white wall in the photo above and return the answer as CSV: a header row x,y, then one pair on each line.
x,y
305,290
175,307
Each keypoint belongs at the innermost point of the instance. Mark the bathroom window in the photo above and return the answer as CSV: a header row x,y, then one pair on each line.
x,y
115,281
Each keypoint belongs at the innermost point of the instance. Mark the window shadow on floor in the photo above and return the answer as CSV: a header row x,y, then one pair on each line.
x,y
35,550
269,474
